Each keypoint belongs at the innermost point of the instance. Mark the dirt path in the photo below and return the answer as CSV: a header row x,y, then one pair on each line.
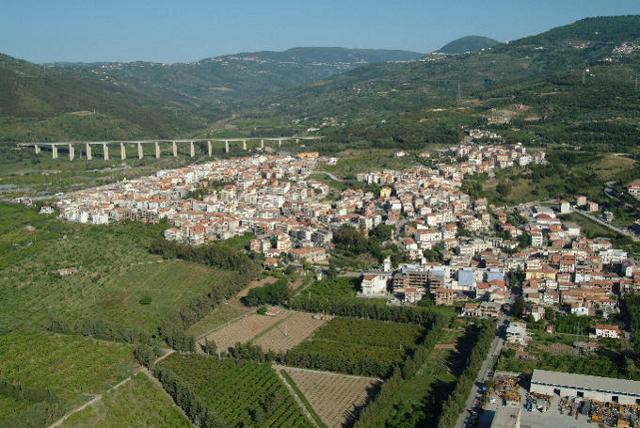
x,y
98,397
94,400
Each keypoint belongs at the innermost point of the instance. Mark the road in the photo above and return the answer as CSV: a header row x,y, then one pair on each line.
x,y
607,225
330,175
464,419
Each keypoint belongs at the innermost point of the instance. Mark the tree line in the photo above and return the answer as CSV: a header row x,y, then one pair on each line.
x,y
473,361
194,408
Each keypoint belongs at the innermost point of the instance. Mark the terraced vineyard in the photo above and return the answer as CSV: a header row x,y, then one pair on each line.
x,y
238,393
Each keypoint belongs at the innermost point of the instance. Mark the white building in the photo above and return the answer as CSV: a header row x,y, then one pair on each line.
x,y
374,284
603,389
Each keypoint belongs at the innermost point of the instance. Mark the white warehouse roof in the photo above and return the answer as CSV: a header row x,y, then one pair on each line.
x,y
578,381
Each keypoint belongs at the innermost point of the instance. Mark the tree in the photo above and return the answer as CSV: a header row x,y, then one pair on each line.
x,y
517,310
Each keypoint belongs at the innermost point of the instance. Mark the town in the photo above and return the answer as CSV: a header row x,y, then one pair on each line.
x,y
450,249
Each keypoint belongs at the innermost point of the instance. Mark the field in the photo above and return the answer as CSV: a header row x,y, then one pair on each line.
x,y
115,271
244,329
240,393
72,368
332,289
138,403
383,342
334,397
221,315
290,332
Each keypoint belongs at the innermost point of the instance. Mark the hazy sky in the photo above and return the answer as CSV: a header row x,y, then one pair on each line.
x,y
172,31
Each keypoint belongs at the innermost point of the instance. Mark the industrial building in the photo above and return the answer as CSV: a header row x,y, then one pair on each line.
x,y
596,388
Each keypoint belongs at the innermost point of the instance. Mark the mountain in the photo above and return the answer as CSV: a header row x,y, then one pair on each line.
x,y
468,44
129,100
581,77
212,85
39,102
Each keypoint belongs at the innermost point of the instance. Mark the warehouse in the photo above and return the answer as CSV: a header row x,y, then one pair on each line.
x,y
596,388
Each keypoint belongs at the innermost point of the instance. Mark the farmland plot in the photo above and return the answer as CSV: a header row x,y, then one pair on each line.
x,y
334,397
244,329
289,332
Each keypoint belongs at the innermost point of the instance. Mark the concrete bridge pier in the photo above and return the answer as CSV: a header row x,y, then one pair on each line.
x,y
262,144
192,149
36,148
72,152
123,152
280,143
244,145
157,146
105,151
174,149
209,148
226,146
297,140
140,151
87,150
54,151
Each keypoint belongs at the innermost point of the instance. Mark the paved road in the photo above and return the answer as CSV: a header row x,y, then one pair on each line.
x,y
330,175
607,225
464,419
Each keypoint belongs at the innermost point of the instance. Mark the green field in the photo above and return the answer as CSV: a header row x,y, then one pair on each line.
x,y
239,393
72,368
138,403
115,270
219,316
330,289
345,338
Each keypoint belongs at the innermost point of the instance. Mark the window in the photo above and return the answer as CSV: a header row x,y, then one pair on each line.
x,y
580,394
614,398
556,391
637,400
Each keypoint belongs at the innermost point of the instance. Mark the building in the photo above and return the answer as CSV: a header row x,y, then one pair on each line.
x,y
374,284
517,333
603,389
608,330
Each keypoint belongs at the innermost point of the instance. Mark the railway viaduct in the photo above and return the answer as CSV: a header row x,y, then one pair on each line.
x,y
88,146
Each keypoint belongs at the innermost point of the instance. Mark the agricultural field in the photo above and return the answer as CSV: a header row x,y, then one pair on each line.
x,y
244,329
334,397
379,342
330,289
137,403
221,315
239,393
117,280
72,368
289,332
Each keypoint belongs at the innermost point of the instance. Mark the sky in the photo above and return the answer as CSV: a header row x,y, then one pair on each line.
x,y
189,30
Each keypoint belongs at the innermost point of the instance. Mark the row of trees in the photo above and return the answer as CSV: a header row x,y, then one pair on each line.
x,y
456,401
369,310
272,294
211,255
194,408
383,403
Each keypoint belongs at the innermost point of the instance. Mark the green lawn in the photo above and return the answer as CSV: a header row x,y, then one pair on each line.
x,y
239,393
115,272
72,368
219,316
138,403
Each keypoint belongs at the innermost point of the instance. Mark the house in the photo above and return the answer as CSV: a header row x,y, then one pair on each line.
x,y
608,330
444,296
374,284
634,188
517,333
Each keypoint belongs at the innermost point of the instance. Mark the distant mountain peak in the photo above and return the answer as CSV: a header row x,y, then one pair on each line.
x,y
468,44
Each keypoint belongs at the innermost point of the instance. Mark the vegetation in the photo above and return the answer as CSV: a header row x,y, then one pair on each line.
x,y
362,347
229,392
44,375
138,403
275,293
